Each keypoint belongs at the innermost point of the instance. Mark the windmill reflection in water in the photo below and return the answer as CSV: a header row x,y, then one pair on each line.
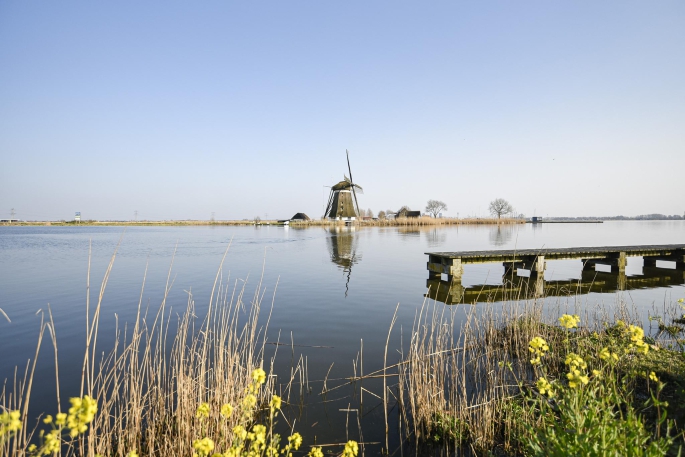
x,y
342,246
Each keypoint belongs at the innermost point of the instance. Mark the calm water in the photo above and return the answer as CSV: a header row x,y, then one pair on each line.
x,y
335,288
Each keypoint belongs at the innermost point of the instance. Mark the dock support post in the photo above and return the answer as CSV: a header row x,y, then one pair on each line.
x,y
618,264
456,270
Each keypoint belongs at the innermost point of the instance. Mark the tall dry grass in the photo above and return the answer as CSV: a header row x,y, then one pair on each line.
x,y
459,375
411,222
160,369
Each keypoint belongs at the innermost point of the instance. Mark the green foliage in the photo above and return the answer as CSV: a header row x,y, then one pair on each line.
x,y
447,428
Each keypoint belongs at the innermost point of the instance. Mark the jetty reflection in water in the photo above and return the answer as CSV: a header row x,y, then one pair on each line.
x,y
516,287
342,246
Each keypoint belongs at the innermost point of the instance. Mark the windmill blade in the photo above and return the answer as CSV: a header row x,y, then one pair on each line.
x,y
352,182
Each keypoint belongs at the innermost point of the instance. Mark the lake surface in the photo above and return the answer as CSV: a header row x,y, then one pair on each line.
x,y
335,288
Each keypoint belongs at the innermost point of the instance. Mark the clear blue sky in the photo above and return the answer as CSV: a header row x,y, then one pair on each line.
x,y
179,109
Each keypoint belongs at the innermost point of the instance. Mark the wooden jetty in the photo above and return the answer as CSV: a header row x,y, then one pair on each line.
x,y
451,265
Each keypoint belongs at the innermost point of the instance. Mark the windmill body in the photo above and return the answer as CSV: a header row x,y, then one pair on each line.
x,y
342,202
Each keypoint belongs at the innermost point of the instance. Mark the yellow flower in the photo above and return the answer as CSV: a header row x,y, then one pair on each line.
x,y
597,373
681,300
574,361
203,446
61,418
202,410
351,449
636,333
226,410
240,432
315,452
295,440
538,347
52,443
81,413
48,419
249,401
259,376
276,402
569,321
10,422
133,453
653,377
576,378
545,387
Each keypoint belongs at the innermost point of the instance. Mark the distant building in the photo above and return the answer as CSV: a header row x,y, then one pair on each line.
x,y
536,219
407,213
300,217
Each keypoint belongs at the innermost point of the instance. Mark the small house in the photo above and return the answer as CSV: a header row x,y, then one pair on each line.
x,y
300,217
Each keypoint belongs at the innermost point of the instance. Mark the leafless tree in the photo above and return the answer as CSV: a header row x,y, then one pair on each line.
x,y
381,215
499,207
435,207
369,212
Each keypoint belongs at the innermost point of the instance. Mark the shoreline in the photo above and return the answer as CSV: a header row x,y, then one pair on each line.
x,y
402,222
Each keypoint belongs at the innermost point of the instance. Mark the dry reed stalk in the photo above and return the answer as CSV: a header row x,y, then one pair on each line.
x,y
149,387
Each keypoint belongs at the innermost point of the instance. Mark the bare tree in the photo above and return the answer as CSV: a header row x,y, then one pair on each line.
x,y
499,207
435,207
369,212
381,215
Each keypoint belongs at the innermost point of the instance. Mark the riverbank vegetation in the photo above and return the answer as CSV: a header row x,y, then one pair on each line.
x,y
396,222
197,390
510,378
522,382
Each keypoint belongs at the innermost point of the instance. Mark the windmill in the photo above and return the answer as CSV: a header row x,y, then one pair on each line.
x,y
342,202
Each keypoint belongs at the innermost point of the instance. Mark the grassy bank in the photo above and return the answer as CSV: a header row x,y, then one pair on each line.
x,y
519,383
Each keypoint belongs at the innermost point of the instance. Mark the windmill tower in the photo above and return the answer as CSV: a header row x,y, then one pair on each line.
x,y
342,202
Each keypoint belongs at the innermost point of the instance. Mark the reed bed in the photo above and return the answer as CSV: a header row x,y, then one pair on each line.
x,y
411,222
397,222
478,388
149,387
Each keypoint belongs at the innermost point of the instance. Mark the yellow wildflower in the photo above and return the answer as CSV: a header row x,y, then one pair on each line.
x,y
576,378
48,419
295,440
52,443
681,300
81,413
538,347
569,321
32,447
545,387
133,453
636,333
202,411
10,422
226,410
259,433
351,449
203,446
653,377
249,401
574,361
240,432
276,402
315,452
259,376
597,373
